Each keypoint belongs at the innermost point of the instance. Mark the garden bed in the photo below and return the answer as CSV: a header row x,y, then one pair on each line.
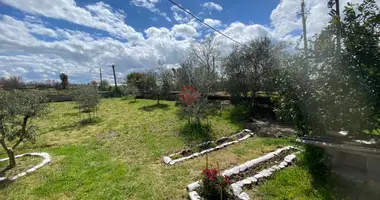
x,y
46,161
206,147
250,172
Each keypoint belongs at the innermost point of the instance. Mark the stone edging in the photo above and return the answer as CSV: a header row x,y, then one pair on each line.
x,y
46,161
237,187
235,170
167,159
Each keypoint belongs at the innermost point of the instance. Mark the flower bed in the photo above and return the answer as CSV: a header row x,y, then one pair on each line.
x,y
249,172
46,161
206,147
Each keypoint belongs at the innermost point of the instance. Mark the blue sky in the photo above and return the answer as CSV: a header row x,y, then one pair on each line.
x,y
41,38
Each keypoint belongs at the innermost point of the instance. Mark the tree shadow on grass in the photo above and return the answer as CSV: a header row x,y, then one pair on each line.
x,y
154,107
194,133
5,183
77,125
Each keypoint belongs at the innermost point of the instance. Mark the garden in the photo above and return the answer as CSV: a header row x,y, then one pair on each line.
x,y
166,134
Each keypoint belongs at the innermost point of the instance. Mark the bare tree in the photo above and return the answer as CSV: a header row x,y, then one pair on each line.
x,y
200,71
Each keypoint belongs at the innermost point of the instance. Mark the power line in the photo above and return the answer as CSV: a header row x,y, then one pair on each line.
x,y
195,17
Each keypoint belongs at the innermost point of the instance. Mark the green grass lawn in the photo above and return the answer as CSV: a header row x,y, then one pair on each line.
x,y
119,156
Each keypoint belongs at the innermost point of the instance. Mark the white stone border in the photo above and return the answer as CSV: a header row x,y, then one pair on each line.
x,y
193,195
46,161
237,187
167,159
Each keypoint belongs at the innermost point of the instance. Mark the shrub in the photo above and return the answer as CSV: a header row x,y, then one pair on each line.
x,y
214,185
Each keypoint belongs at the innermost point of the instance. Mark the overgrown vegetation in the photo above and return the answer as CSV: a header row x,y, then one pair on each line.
x,y
334,90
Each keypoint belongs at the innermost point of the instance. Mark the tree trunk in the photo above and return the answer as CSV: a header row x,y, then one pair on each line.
x,y
12,159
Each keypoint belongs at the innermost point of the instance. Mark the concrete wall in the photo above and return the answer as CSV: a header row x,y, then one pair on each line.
x,y
361,171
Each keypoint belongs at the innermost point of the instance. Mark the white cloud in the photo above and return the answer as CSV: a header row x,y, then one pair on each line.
x,y
100,15
150,5
80,54
180,15
212,22
212,6
184,30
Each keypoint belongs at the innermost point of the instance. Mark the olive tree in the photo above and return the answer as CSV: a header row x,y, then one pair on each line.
x,y
87,98
17,109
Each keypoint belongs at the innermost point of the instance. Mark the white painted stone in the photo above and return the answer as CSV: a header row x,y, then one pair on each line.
x,y
284,163
276,167
167,159
258,176
252,179
271,169
227,173
235,170
240,183
46,161
236,189
244,196
244,138
281,166
196,154
21,174
172,163
246,181
289,158
243,167
193,186
194,195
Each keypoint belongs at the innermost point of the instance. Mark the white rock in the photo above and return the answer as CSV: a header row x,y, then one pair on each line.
x,y
243,167
235,170
196,154
240,183
193,186
2,178
236,189
258,176
13,178
290,158
281,166
284,163
266,173
252,179
167,160
31,170
227,173
275,167
194,195
244,196
172,162
246,181
21,174
271,169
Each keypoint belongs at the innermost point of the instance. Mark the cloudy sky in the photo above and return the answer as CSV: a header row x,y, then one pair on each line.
x,y
41,38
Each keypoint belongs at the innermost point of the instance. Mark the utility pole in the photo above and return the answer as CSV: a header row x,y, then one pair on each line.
x,y
114,75
338,45
100,74
304,26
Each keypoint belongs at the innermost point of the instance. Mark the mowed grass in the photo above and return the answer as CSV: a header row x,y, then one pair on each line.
x,y
119,156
